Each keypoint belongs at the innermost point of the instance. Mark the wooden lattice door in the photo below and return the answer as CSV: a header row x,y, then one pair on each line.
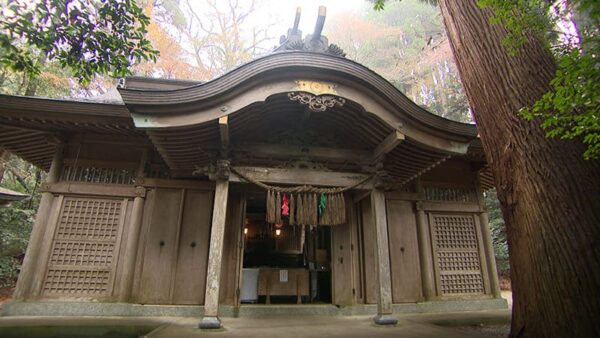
x,y
457,254
85,247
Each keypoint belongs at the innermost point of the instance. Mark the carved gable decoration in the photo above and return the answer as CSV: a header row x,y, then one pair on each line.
x,y
316,103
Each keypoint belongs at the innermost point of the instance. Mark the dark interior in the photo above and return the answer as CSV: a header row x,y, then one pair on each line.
x,y
288,248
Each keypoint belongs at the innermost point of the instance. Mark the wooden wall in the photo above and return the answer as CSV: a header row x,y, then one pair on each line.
x,y
92,217
232,249
341,262
404,251
174,244
85,241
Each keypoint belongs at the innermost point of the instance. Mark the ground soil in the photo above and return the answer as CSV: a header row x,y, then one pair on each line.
x,y
488,331
5,295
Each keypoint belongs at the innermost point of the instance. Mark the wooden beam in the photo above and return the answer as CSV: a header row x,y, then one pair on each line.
x,y
292,151
301,176
390,142
94,189
224,131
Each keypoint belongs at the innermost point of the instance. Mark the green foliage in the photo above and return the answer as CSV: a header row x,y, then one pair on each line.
x,y
521,18
571,110
89,37
498,231
17,219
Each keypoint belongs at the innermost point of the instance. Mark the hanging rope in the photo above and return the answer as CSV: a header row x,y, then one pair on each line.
x,y
301,188
305,204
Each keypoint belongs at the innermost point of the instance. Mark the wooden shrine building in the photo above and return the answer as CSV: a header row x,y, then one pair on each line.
x,y
301,177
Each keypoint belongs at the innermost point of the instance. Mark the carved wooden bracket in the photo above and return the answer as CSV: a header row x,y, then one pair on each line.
x,y
220,170
315,103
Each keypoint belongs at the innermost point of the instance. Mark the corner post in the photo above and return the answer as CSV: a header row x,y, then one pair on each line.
x,y
382,260
29,278
488,246
133,232
489,254
211,319
425,254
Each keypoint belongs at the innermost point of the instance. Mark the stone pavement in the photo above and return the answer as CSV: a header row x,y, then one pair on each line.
x,y
421,326
444,325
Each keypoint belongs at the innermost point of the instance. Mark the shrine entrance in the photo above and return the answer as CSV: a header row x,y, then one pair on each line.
x,y
283,263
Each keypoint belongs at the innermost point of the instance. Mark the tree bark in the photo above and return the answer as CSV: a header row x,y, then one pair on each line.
x,y
550,196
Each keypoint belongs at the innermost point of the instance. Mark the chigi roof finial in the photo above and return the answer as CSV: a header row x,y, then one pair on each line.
x,y
312,42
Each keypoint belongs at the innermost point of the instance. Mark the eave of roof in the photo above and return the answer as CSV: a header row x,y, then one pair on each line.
x,y
65,107
10,195
280,65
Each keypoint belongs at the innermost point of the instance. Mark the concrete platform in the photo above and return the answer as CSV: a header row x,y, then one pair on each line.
x,y
424,325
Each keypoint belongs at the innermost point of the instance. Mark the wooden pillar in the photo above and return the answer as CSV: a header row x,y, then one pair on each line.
x,y
425,254
488,246
215,255
133,233
382,260
490,257
34,264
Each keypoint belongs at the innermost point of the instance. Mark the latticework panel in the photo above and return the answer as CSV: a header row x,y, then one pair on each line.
x,y
92,219
456,252
94,174
446,194
461,283
83,253
455,232
77,282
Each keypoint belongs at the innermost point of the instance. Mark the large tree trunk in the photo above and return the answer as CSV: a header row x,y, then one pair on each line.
x,y
550,196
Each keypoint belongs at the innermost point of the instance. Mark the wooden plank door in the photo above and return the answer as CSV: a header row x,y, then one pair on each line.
x,y
368,253
194,242
160,247
404,252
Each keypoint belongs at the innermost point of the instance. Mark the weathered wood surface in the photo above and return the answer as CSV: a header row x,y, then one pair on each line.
x,y
292,151
488,245
126,271
300,176
38,234
390,142
93,189
167,183
215,256
160,246
369,263
404,252
232,247
451,206
342,281
382,253
37,280
190,268
224,134
354,215
425,254
269,283
175,247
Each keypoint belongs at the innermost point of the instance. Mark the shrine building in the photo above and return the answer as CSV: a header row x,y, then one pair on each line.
x,y
301,181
